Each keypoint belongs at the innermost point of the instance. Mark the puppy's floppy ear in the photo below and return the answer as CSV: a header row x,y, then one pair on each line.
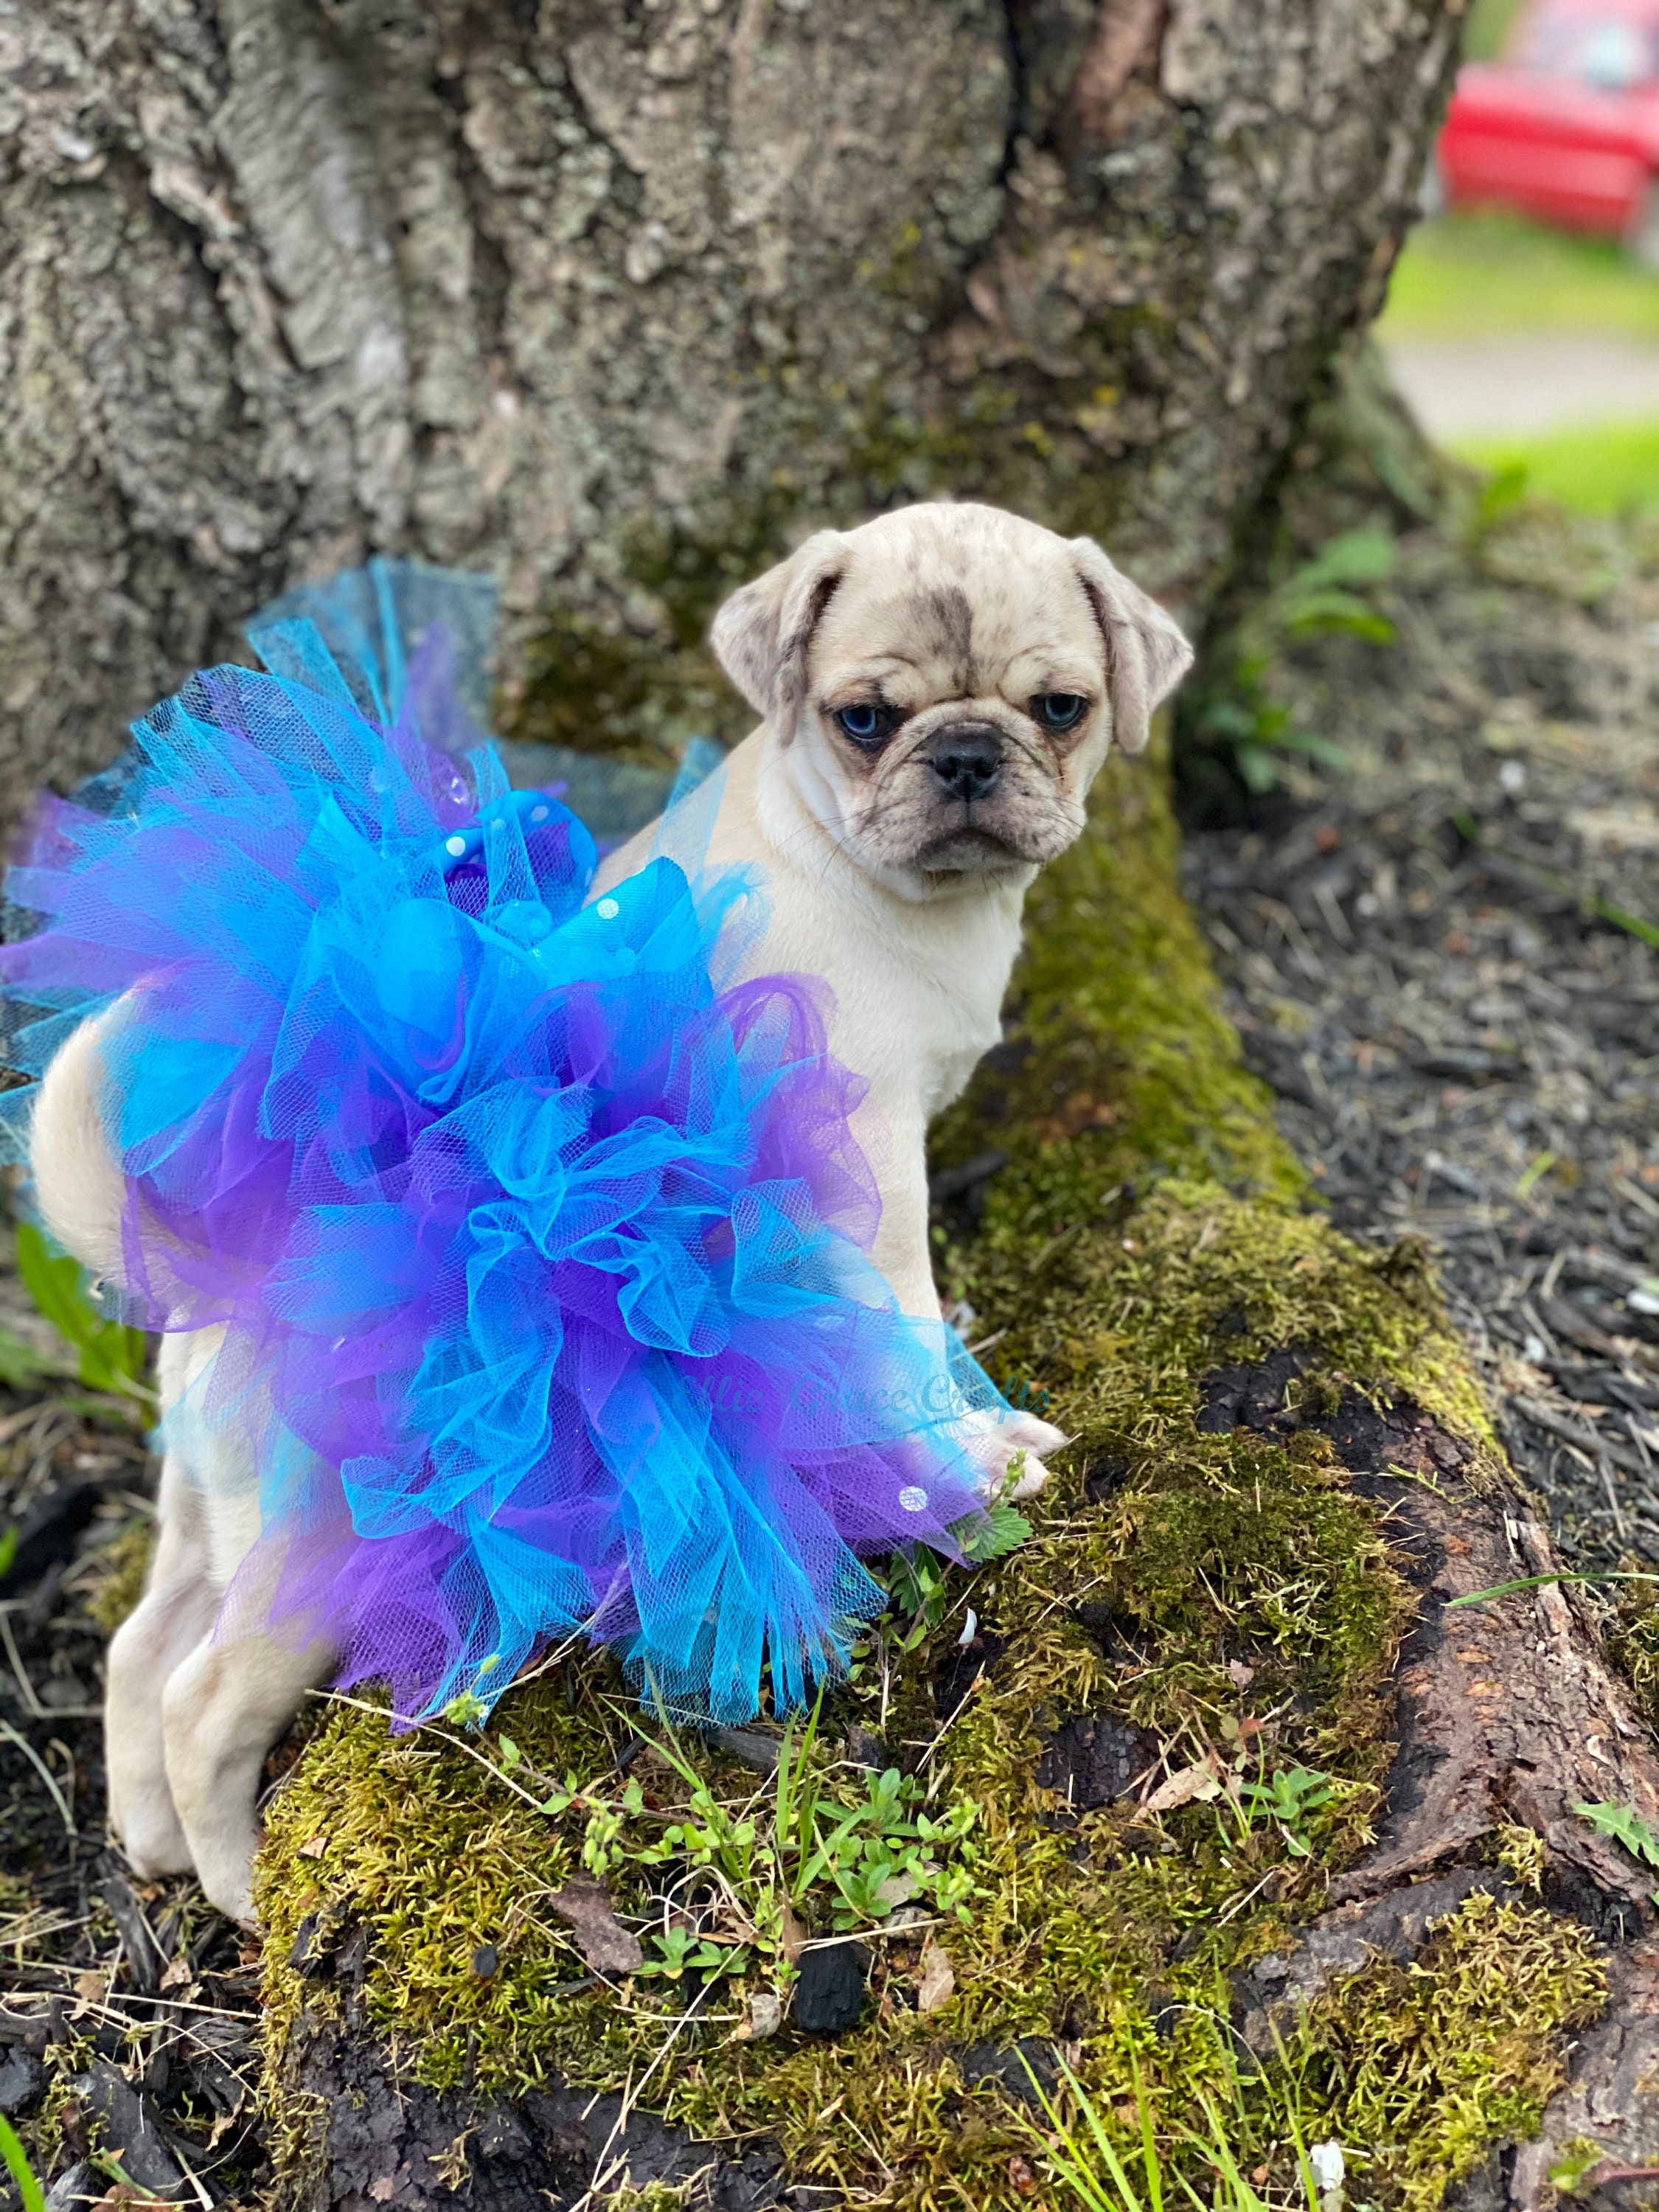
x,y
1146,652
761,634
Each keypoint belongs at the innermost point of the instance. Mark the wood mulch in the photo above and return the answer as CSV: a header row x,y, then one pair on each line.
x,y
1464,1045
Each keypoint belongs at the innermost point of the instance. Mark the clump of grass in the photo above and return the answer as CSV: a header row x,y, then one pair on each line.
x,y
1094,2166
1407,2074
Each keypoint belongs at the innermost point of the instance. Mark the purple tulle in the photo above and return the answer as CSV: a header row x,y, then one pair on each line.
x,y
539,1233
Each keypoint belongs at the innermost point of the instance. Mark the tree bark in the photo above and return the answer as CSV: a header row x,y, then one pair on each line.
x,y
611,298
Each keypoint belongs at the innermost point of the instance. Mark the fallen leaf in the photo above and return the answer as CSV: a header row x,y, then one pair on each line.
x,y
1022,2176
177,1976
604,1942
1242,1675
937,1984
381,2191
314,1847
1193,1784
90,1989
791,1939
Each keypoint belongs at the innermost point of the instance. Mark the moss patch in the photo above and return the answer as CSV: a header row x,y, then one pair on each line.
x,y
117,1573
1427,2065
1223,1607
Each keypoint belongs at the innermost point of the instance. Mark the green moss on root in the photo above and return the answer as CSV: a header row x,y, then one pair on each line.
x,y
1149,1225
118,1572
1429,2065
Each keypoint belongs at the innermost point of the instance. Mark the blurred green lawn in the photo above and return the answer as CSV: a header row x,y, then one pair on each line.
x,y
1480,275
1469,276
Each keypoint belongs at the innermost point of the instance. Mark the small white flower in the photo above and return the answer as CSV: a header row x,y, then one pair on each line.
x,y
1329,2165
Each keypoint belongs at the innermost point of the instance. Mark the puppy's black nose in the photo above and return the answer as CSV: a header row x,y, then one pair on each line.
x,y
967,759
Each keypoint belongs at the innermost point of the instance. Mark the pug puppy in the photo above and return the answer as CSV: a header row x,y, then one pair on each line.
x,y
937,690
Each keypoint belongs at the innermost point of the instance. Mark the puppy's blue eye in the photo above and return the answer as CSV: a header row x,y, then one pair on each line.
x,y
865,724
1060,710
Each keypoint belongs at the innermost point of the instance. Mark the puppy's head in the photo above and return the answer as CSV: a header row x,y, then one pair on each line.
x,y
944,682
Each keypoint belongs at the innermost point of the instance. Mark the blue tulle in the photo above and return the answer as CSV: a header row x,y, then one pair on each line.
x,y
536,1225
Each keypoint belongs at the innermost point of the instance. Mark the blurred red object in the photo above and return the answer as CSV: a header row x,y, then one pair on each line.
x,y
1565,125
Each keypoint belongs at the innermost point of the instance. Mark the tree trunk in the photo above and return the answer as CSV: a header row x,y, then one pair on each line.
x,y
613,298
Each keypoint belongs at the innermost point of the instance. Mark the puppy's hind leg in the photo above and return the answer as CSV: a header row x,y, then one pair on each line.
x,y
223,1708
175,1613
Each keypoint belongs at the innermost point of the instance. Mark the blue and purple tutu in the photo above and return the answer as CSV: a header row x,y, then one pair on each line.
x,y
540,1233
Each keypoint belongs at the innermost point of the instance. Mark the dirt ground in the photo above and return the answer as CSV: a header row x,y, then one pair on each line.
x,y
1463,1049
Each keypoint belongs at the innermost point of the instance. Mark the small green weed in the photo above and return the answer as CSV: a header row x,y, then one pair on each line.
x,y
1324,597
1234,713
806,1849
917,1582
919,1596
681,1951
111,1355
1626,1827
1288,1799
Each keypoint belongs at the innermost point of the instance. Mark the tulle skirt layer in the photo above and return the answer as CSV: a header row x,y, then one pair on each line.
x,y
536,1227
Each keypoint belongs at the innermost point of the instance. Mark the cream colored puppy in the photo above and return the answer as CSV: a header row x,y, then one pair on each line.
x,y
937,690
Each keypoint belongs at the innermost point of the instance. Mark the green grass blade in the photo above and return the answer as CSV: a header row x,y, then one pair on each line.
x,y
1103,2144
11,2155
1069,2161
1149,2156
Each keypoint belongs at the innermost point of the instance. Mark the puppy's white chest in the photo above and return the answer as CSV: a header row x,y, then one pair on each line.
x,y
918,997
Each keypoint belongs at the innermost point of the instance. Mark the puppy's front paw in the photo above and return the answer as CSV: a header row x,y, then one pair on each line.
x,y
1013,1434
